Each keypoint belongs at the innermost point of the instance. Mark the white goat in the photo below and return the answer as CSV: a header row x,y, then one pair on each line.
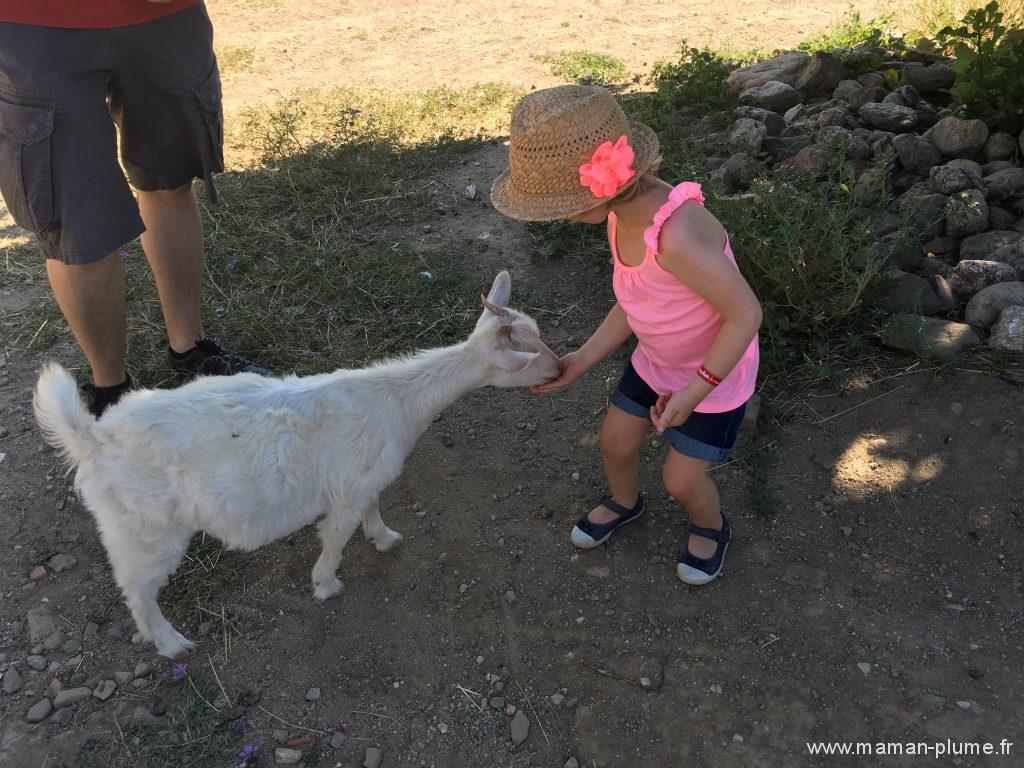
x,y
250,459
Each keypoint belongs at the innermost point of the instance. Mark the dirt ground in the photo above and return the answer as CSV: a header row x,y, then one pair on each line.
x,y
288,44
880,601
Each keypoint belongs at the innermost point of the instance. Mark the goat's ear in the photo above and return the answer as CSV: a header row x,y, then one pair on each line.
x,y
501,290
513,361
499,311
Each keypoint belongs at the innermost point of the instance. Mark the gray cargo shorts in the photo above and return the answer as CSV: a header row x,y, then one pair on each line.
x,y
62,91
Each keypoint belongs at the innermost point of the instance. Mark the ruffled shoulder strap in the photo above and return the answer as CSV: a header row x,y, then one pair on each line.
x,y
688,190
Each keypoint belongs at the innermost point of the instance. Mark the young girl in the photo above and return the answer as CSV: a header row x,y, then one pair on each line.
x,y
573,155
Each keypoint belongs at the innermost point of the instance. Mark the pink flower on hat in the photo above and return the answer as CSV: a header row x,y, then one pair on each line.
x,y
609,168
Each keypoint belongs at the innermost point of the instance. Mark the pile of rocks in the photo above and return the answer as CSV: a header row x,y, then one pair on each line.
x,y
957,187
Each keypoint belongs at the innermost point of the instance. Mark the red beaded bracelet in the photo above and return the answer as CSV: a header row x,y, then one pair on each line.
x,y
708,376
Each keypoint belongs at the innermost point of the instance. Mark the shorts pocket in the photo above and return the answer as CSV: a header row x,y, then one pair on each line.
x,y
208,94
26,175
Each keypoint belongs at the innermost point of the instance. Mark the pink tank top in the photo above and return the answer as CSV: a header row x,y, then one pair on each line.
x,y
674,326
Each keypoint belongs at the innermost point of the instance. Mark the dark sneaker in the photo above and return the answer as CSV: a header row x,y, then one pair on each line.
x,y
98,399
207,358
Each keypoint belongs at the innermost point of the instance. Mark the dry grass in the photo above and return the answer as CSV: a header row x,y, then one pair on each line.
x,y
926,17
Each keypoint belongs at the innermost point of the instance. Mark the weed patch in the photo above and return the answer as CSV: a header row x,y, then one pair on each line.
x,y
586,67
235,58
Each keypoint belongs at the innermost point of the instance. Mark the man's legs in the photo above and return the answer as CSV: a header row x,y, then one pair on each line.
x,y
91,296
173,243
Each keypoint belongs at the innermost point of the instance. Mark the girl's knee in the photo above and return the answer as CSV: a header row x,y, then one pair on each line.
x,y
614,447
683,486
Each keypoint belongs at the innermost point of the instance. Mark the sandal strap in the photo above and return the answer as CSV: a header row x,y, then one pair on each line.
x,y
709,533
620,509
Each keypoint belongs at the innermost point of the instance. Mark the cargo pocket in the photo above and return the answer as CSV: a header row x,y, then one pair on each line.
x,y
26,176
208,94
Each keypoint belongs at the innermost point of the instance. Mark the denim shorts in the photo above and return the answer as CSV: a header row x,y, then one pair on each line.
x,y
705,436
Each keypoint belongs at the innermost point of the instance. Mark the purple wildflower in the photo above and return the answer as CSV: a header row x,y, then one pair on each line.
x,y
307,352
270,346
249,751
178,671
394,312
124,254
243,725
232,264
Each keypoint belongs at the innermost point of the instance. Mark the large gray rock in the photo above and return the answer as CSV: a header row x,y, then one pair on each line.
x,y
966,213
846,87
821,74
773,95
984,307
888,117
972,275
984,244
924,210
958,138
928,336
916,153
747,136
910,95
39,711
929,79
1000,218
11,681
738,171
1008,332
955,176
71,696
1003,184
910,293
867,94
771,120
785,68
944,293
1000,146
1012,253
995,166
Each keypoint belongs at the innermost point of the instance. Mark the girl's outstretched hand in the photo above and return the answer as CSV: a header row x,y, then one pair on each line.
x,y
670,411
570,368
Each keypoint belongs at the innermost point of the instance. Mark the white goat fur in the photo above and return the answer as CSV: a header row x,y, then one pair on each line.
x,y
250,459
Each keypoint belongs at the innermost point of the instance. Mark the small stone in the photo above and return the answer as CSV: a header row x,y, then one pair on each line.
x,y
123,677
72,696
62,562
279,735
71,646
510,710
864,667
572,762
557,699
77,680
36,662
40,625
143,715
519,728
747,136
313,694
287,756
62,718
963,704
803,575
12,681
497,703
115,631
373,758
955,176
909,293
54,641
847,530
984,244
510,597
158,709
143,669
105,690
599,571
37,573
470,192
825,461
39,711
337,740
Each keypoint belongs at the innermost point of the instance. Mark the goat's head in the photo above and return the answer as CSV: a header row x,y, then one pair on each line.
x,y
510,341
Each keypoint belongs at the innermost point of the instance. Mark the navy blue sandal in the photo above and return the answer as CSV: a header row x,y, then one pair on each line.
x,y
694,570
587,535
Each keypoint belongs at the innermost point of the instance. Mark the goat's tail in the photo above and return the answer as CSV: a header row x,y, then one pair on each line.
x,y
62,416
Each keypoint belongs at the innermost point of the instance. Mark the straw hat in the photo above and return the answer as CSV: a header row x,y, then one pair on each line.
x,y
554,132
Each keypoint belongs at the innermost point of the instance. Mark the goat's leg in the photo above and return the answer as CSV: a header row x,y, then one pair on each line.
x,y
142,563
383,537
335,531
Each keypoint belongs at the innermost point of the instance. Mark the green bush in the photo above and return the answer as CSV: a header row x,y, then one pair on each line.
x,y
989,67
808,247
856,42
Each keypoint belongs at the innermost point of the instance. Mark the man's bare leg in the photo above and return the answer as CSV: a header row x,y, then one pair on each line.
x,y
173,243
91,296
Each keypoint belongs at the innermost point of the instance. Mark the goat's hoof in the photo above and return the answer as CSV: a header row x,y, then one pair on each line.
x,y
176,646
389,541
327,591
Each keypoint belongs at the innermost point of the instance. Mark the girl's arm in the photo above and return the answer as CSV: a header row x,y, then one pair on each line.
x,y
606,339
691,249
